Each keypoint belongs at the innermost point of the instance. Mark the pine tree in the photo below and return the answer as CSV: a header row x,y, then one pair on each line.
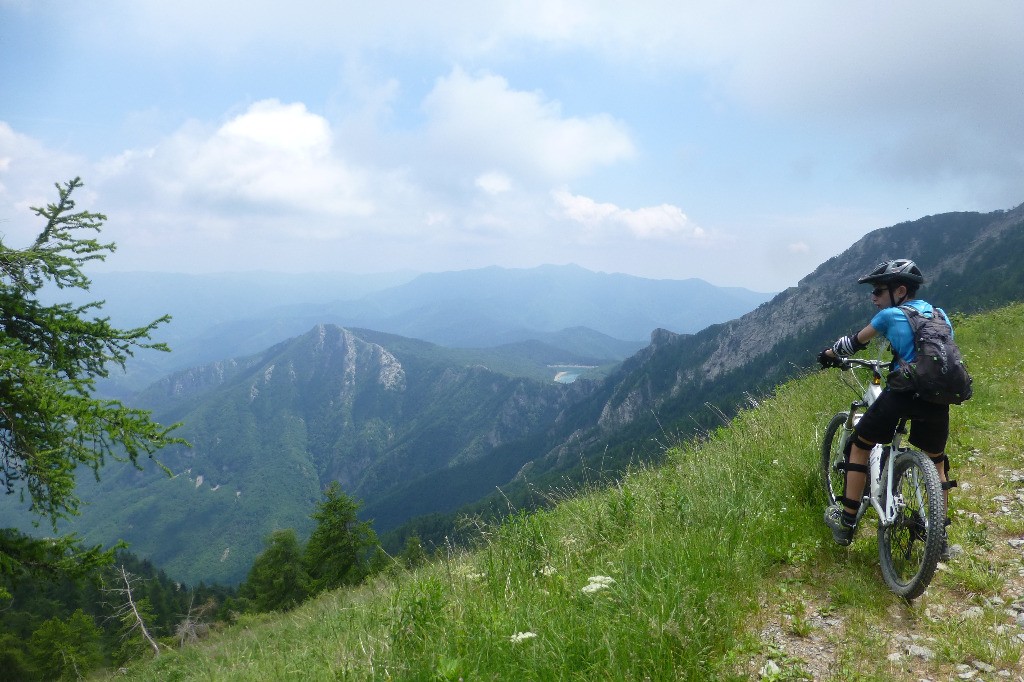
x,y
61,649
413,555
50,358
336,553
277,580
12,658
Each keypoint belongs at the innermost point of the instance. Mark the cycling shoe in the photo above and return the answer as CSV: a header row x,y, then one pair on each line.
x,y
842,533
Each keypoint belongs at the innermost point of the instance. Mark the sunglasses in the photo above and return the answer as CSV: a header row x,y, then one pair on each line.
x,y
878,292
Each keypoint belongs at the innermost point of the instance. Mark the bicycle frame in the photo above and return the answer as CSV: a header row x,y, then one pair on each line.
x,y
881,457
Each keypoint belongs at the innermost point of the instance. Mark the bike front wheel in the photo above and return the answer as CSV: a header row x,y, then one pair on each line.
x,y
910,546
833,479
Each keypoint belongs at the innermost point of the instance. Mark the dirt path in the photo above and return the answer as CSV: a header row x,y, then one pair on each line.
x,y
969,625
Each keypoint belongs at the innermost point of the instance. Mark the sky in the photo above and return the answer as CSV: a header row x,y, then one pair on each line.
x,y
741,142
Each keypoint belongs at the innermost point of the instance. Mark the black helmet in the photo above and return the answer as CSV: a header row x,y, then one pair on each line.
x,y
899,271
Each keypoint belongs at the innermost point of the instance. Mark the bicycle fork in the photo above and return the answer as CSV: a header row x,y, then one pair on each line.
x,y
888,507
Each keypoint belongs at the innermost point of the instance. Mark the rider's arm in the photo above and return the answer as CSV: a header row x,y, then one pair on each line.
x,y
848,345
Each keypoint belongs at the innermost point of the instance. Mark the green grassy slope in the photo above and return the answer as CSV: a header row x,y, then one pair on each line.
x,y
694,560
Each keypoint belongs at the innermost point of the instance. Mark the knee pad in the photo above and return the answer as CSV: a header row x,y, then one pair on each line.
x,y
861,443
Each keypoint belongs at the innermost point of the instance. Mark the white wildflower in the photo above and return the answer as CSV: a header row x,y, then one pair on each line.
x,y
468,572
521,637
598,583
548,570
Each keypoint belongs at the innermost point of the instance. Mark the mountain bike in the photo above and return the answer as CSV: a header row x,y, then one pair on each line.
x,y
904,489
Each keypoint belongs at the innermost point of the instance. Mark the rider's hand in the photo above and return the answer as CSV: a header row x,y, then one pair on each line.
x,y
827,358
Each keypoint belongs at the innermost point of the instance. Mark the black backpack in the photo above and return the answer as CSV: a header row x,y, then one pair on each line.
x,y
938,375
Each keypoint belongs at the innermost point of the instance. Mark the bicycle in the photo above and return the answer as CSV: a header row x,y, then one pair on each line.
x,y
904,489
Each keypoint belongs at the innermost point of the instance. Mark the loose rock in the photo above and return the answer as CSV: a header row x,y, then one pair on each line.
x,y
919,651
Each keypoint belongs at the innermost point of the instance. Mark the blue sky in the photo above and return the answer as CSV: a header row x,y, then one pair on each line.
x,y
740,142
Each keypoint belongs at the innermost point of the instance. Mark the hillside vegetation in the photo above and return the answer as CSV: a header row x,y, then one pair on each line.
x,y
715,565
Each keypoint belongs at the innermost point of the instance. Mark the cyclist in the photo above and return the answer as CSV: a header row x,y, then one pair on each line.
x,y
895,283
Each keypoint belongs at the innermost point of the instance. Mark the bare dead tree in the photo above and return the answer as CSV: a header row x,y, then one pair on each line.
x,y
127,611
194,625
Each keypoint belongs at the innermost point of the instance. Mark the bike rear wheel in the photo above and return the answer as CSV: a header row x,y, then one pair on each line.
x,y
909,548
833,479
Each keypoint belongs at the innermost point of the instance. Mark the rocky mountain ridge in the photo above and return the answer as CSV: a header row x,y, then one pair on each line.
x,y
828,302
681,385
269,432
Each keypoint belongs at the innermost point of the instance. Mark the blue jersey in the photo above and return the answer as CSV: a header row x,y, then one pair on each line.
x,y
893,325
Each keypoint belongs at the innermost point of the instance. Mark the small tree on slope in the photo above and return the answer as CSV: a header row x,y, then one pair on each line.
x,y
336,553
277,580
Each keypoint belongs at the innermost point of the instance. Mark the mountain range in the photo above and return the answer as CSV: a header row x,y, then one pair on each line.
x,y
218,316
426,433
681,385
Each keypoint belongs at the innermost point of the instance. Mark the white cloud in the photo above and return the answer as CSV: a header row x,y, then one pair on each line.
x,y
271,182
28,171
290,128
273,154
494,182
931,74
653,222
482,120
798,247
273,161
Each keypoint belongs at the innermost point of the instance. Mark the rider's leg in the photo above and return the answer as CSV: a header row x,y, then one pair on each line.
x,y
876,425
941,462
856,475
842,517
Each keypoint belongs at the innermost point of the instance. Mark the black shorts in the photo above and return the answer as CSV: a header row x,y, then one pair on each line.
x,y
929,422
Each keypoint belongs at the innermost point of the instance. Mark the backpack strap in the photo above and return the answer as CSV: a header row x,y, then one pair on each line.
x,y
916,319
945,318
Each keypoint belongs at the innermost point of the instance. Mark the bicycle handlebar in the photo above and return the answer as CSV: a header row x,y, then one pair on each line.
x,y
850,363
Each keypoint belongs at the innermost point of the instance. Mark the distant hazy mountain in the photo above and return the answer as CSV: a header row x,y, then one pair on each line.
x,y
229,315
199,301
486,307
